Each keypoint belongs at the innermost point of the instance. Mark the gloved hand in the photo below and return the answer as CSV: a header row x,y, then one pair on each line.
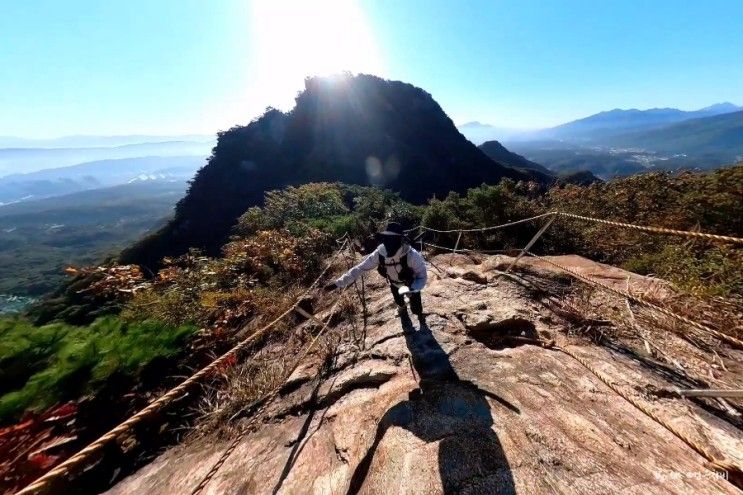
x,y
403,290
330,287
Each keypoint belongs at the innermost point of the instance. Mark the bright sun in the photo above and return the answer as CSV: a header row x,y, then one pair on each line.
x,y
295,39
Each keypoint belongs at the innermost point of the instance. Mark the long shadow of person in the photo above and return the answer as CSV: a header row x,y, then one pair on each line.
x,y
452,412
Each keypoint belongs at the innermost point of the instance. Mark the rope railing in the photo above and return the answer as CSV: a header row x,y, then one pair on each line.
x,y
485,229
656,230
720,335
639,300
643,228
265,400
86,453
465,250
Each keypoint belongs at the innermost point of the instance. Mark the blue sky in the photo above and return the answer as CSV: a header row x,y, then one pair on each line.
x,y
191,66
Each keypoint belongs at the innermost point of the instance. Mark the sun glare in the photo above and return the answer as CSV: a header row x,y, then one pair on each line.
x,y
295,39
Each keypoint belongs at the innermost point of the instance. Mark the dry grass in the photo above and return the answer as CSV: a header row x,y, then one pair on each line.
x,y
587,311
242,389
673,349
664,344
239,388
722,314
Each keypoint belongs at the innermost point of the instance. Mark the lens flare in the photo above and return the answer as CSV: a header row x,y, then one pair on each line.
x,y
293,40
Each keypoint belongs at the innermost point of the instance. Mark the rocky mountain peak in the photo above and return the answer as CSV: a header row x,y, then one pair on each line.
x,y
354,129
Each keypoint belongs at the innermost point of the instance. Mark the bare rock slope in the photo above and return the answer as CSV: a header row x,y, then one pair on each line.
x,y
452,406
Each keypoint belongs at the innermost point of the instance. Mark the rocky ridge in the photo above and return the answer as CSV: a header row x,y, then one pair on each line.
x,y
458,405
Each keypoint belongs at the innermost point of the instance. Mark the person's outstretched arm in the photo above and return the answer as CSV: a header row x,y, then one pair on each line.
x,y
368,263
418,265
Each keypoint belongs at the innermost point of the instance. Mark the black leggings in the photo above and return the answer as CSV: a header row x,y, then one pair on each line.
x,y
416,306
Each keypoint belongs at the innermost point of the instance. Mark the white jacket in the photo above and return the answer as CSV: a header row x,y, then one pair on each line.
x,y
415,262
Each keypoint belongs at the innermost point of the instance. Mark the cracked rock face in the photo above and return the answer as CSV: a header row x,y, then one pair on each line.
x,y
447,407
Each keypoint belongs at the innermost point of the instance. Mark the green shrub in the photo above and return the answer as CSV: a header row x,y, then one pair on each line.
x,y
336,226
40,366
710,202
334,209
292,204
484,206
704,272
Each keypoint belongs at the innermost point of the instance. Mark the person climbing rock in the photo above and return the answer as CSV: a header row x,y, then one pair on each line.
x,y
402,266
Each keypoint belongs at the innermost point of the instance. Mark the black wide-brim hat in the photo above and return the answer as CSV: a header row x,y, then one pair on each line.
x,y
393,229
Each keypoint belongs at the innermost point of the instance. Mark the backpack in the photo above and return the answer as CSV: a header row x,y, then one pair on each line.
x,y
406,274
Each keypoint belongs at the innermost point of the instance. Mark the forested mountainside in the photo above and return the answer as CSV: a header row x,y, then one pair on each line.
x,y
355,129
720,137
40,238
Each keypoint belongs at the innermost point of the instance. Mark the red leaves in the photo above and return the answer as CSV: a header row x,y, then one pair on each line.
x,y
32,447
42,461
60,413
229,362
111,282
10,430
225,366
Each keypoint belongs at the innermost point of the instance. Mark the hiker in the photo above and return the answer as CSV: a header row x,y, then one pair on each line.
x,y
402,266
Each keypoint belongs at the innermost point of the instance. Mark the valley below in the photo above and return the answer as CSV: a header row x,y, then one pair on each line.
x,y
607,162
39,239
14,304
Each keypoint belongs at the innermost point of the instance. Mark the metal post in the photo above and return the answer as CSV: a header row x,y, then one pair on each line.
x,y
308,315
531,243
456,244
735,393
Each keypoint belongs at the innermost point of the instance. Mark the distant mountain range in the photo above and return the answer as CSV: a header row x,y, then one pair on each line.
x,y
85,207
103,173
15,160
597,128
594,128
90,141
624,142
719,135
